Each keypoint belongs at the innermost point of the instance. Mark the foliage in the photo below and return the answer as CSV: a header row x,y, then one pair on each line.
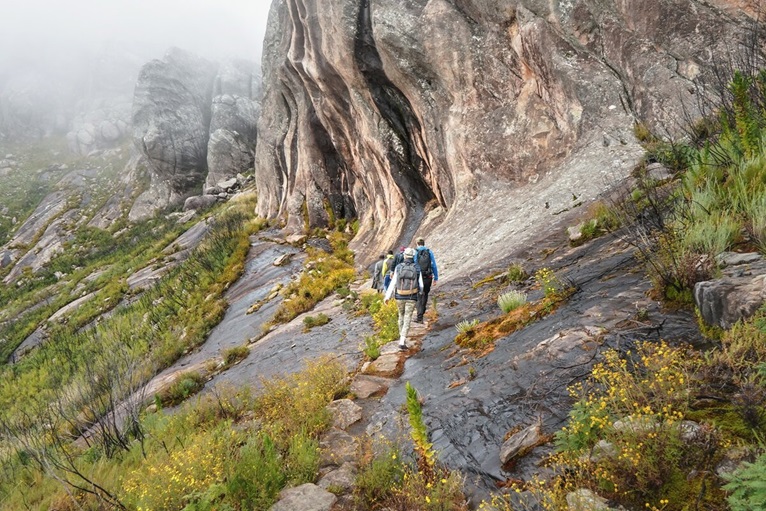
x,y
423,448
516,273
746,486
626,440
600,219
296,403
167,480
466,325
310,322
385,317
549,281
185,385
511,300
483,336
329,273
257,474
378,479
234,354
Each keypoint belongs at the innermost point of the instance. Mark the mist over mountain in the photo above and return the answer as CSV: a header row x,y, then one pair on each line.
x,y
62,61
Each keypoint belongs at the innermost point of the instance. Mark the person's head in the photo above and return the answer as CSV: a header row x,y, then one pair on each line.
x,y
402,249
421,242
409,253
382,256
391,252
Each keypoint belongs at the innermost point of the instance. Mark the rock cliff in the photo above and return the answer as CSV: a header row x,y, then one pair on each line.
x,y
193,122
450,118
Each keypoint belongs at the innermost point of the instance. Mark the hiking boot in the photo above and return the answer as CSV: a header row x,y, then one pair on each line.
x,y
418,320
403,347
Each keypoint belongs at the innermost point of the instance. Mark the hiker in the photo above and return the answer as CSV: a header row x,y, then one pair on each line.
x,y
387,271
424,260
377,274
406,285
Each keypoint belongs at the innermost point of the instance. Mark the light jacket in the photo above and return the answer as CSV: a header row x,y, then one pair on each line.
x,y
426,252
387,264
391,291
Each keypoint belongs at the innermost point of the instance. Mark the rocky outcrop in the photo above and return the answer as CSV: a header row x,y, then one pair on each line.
x,y
101,126
737,295
171,115
433,116
235,111
193,122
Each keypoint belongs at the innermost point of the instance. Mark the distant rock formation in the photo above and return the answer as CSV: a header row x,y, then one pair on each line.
x,y
437,117
193,122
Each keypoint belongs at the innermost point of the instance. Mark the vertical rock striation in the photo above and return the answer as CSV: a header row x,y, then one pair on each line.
x,y
439,115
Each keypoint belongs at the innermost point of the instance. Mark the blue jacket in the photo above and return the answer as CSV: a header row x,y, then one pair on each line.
x,y
426,252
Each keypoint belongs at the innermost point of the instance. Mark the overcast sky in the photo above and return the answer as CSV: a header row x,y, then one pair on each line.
x,y
38,30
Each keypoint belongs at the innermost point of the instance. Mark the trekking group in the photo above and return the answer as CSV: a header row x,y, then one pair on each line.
x,y
407,277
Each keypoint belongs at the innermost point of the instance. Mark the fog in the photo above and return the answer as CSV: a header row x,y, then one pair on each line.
x,y
43,33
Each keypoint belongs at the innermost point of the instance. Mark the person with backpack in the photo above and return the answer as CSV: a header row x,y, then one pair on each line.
x,y
406,285
377,274
387,270
424,260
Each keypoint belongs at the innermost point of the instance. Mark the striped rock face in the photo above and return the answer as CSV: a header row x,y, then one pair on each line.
x,y
435,117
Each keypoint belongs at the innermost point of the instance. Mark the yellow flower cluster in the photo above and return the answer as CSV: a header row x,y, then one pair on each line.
x,y
165,481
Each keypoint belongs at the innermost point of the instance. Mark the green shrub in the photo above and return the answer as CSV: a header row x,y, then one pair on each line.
x,y
302,460
257,476
310,322
516,273
511,300
746,486
379,479
234,354
371,347
466,325
185,385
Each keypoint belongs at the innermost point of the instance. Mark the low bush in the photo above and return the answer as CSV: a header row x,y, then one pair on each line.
x,y
234,354
166,480
185,385
511,300
310,322
295,404
466,325
328,273
516,273
746,487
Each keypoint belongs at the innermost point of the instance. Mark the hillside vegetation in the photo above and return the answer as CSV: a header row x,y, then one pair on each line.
x,y
650,427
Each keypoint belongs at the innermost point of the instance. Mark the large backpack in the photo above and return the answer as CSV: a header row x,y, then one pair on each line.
x,y
424,262
407,280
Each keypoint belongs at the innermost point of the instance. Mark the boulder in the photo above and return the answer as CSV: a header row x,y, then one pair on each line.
x,y
344,413
306,497
283,259
365,386
585,500
337,447
521,443
228,184
228,153
722,302
658,172
296,239
343,477
199,202
389,365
